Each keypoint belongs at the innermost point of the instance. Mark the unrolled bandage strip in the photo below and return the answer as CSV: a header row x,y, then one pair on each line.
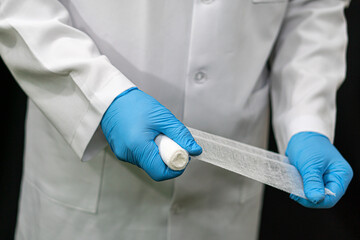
x,y
264,166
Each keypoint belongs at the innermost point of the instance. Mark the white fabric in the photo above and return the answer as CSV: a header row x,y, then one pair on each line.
x,y
207,61
125,215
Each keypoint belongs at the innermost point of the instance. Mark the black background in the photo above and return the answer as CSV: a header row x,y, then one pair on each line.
x,y
281,217
284,219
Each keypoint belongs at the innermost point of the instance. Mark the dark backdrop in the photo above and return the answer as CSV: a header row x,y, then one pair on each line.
x,y
281,217
284,219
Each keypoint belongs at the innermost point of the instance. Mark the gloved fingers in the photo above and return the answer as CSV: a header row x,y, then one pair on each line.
x,y
328,202
333,183
302,201
336,179
153,165
182,136
339,172
314,185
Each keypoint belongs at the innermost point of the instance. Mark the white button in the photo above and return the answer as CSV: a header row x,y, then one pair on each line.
x,y
207,1
176,208
200,77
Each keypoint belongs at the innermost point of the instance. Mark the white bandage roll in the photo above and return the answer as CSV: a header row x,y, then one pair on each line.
x,y
174,156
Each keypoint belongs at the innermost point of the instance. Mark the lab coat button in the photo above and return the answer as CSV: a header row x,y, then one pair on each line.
x,y
207,1
200,77
176,208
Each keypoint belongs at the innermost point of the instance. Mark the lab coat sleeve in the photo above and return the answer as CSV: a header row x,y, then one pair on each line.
x,y
59,68
307,68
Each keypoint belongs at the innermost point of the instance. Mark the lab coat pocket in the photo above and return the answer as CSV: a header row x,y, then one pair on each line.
x,y
269,1
78,187
53,168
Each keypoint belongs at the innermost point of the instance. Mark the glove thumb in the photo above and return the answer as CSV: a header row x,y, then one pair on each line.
x,y
182,136
314,186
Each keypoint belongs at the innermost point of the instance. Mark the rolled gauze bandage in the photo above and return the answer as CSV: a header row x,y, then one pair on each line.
x,y
174,156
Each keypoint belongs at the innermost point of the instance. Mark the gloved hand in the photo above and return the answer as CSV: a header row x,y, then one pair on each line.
x,y
131,124
320,165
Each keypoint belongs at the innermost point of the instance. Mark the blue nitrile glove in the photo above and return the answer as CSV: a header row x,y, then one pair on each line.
x,y
131,124
321,166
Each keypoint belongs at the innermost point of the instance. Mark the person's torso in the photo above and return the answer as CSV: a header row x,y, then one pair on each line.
x,y
206,60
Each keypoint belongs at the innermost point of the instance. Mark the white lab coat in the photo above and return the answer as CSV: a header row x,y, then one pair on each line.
x,y
213,63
